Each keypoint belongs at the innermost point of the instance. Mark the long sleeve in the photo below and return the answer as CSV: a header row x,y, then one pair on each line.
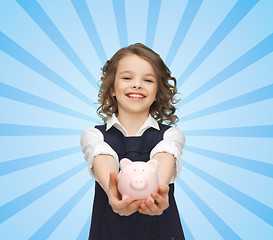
x,y
173,143
92,143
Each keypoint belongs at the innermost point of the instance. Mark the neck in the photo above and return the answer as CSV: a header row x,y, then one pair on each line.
x,y
132,121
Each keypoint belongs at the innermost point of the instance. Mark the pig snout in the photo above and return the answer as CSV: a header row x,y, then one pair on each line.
x,y
138,183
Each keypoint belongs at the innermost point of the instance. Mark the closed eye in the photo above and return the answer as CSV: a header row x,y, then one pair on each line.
x,y
148,80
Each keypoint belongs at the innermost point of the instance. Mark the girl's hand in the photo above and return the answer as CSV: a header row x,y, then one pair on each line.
x,y
161,202
124,207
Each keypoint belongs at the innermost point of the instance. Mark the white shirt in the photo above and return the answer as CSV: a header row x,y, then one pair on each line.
x,y
92,143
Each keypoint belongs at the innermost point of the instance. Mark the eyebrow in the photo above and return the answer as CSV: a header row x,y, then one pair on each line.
x,y
125,72
148,74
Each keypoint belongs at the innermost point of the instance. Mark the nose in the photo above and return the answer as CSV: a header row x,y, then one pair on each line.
x,y
136,84
138,183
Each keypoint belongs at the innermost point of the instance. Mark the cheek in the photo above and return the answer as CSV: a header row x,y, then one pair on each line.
x,y
117,86
154,91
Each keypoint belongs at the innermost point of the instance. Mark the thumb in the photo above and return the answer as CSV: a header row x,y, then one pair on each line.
x,y
163,189
112,184
113,177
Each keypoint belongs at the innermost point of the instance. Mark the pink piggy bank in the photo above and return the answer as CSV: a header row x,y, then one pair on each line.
x,y
138,180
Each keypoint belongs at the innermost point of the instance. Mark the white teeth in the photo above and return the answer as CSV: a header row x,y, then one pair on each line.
x,y
135,96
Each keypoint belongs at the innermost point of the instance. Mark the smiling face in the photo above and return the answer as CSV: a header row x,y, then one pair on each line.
x,y
135,85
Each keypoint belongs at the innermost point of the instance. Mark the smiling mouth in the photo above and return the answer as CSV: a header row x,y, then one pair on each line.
x,y
134,95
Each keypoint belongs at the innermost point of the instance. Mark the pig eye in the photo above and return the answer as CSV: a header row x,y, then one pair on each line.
x,y
143,170
134,170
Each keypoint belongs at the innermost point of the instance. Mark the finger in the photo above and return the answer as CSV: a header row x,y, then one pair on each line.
x,y
128,203
150,209
157,197
163,189
144,209
162,200
154,208
135,205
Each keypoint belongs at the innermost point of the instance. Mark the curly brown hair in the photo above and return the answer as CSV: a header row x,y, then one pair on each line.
x,y
162,109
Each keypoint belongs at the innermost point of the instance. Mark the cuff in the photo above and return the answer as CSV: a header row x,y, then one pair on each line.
x,y
102,148
171,148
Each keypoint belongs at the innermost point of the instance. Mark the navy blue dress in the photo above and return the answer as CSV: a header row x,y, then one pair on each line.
x,y
108,225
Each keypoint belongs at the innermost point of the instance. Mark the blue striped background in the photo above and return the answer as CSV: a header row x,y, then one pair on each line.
x,y
50,59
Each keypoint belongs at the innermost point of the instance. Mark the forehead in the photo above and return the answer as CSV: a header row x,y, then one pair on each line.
x,y
135,64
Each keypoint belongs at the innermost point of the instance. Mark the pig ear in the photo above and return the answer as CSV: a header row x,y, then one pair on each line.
x,y
153,163
125,162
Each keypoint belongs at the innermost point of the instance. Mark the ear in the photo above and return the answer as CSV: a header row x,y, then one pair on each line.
x,y
113,92
153,163
124,163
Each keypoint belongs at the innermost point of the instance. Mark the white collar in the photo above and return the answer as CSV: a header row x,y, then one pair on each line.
x,y
150,122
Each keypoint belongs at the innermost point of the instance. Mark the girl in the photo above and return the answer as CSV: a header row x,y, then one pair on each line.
x,y
136,96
